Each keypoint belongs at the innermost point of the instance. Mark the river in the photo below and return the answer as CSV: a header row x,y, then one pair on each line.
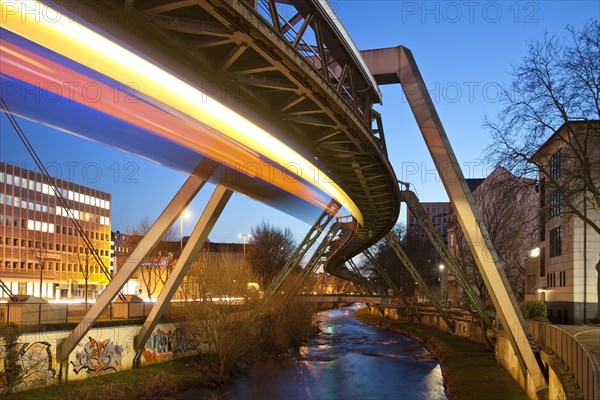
x,y
348,360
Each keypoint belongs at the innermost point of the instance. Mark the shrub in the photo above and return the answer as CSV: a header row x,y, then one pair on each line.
x,y
533,309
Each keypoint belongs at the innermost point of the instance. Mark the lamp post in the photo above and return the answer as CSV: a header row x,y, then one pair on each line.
x,y
443,283
185,214
245,235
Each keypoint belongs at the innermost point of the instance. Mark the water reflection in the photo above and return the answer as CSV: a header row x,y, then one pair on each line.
x,y
348,360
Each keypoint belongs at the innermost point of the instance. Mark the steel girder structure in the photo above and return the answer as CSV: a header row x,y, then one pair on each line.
x,y
416,275
294,65
373,261
438,243
397,65
173,210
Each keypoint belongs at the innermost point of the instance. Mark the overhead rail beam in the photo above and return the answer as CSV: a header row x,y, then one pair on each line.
x,y
397,65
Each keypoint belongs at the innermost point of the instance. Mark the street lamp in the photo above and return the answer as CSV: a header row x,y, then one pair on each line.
x,y
443,283
245,235
185,214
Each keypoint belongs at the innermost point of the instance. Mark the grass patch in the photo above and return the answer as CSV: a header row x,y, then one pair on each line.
x,y
470,371
157,381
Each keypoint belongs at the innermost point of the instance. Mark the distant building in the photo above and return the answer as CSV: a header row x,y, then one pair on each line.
x,y
507,205
37,236
428,263
563,272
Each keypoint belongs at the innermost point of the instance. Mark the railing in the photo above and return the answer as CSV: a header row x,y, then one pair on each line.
x,y
572,353
48,313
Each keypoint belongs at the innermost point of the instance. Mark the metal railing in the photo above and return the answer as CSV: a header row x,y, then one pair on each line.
x,y
49,313
572,353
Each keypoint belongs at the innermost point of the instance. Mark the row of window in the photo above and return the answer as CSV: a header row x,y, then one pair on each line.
x,y
48,227
16,242
49,266
46,189
45,208
551,279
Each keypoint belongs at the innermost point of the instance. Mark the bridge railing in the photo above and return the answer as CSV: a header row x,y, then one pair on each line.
x,y
572,353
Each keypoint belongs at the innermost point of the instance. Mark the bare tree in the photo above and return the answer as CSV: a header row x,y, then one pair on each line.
x,y
269,250
157,266
40,254
555,93
84,260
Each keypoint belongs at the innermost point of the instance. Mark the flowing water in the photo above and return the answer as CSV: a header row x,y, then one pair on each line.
x,y
347,360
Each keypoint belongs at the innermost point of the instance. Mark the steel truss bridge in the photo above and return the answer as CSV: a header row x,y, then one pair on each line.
x,y
221,83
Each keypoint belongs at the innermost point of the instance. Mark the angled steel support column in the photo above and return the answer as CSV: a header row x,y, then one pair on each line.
x,y
183,197
397,65
438,243
373,261
310,238
203,227
414,272
315,260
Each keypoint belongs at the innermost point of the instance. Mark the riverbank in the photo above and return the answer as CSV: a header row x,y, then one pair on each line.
x,y
158,381
470,371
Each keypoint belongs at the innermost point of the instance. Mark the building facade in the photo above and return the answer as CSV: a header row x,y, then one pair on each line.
x,y
424,255
508,208
41,251
569,248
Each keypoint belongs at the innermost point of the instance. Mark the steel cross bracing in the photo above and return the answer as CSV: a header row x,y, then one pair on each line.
x,y
172,211
310,238
437,242
292,64
373,261
317,259
414,272
364,281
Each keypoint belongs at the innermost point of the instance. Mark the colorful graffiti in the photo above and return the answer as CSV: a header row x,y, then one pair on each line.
x,y
164,345
32,368
98,357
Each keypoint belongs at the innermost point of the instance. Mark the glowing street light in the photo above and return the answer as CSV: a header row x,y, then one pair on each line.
x,y
245,235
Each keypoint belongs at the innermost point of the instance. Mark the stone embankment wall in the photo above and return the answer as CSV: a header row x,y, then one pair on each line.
x,y
561,384
103,350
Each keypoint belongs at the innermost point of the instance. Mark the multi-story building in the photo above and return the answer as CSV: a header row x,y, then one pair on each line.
x,y
427,259
566,277
41,251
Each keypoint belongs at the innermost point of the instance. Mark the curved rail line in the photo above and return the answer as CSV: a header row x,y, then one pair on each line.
x,y
292,64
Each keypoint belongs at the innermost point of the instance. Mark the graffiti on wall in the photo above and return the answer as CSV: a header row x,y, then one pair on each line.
x,y
98,357
165,344
31,368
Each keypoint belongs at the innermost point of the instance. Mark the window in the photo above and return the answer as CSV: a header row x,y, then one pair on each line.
x,y
556,236
556,165
551,280
555,204
543,261
562,278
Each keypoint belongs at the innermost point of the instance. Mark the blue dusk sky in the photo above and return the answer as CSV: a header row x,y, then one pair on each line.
x,y
465,51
